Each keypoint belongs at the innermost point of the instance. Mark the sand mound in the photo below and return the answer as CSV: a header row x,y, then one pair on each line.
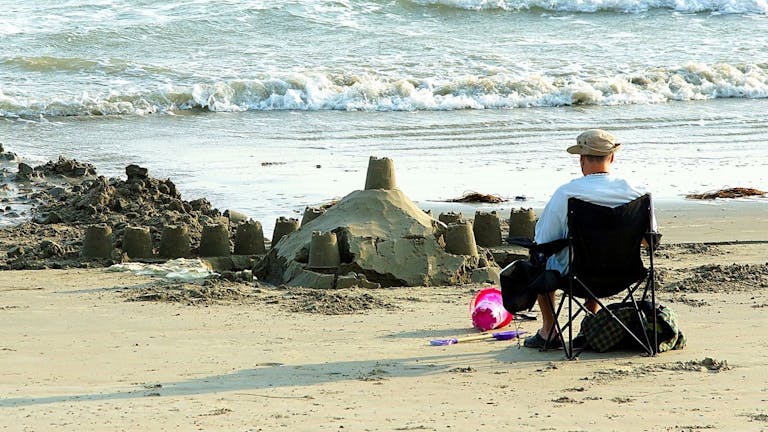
x,y
383,238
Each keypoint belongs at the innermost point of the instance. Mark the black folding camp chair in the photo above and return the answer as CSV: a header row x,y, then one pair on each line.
x,y
605,259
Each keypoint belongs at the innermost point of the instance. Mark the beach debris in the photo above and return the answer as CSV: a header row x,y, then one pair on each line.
x,y
182,269
736,192
477,197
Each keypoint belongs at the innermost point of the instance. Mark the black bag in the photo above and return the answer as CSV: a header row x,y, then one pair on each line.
x,y
516,290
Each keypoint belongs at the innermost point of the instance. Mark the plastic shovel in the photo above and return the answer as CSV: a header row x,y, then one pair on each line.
x,y
504,335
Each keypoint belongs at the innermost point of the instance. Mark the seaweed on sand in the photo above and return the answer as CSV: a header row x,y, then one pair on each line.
x,y
737,192
475,197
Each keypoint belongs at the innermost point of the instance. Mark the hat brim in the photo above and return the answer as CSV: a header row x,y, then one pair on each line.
x,y
588,151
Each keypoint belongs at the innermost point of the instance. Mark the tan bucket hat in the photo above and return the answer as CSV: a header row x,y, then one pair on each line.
x,y
594,142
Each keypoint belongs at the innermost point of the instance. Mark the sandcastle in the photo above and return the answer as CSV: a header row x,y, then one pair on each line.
x,y
382,239
283,227
97,242
175,242
137,242
310,214
372,237
522,222
450,217
215,240
487,229
249,238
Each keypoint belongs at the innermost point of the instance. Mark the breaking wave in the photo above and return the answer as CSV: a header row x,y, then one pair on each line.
x,y
624,6
320,91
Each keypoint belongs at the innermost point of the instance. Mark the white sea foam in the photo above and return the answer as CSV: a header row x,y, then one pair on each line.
x,y
626,6
319,92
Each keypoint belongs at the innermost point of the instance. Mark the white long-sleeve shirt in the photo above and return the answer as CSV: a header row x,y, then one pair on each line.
x,y
602,189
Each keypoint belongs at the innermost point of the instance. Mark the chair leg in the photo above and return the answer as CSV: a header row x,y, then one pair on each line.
x,y
555,323
567,344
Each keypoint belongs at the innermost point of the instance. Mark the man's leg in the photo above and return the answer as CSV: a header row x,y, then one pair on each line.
x,y
546,332
547,316
592,305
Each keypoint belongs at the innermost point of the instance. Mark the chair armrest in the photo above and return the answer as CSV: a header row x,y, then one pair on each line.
x,y
550,248
521,241
546,249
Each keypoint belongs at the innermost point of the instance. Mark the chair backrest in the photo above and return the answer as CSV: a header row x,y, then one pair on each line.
x,y
606,243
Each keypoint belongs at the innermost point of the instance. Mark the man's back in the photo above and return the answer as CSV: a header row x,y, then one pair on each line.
x,y
599,188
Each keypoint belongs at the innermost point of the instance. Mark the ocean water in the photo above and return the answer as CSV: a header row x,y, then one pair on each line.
x,y
266,107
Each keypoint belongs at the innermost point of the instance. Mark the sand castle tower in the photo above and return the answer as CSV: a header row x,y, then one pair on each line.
x,y
249,239
324,251
310,214
450,217
137,242
522,222
214,240
460,239
174,242
381,174
283,227
487,229
97,242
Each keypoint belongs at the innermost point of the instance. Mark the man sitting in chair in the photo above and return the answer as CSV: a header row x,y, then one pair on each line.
x,y
597,149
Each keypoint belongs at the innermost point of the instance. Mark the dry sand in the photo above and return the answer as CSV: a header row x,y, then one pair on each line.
x,y
76,354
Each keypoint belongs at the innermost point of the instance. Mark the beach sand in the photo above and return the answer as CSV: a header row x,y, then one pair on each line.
x,y
76,355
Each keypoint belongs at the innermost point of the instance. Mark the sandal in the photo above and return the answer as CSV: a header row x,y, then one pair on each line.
x,y
536,341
